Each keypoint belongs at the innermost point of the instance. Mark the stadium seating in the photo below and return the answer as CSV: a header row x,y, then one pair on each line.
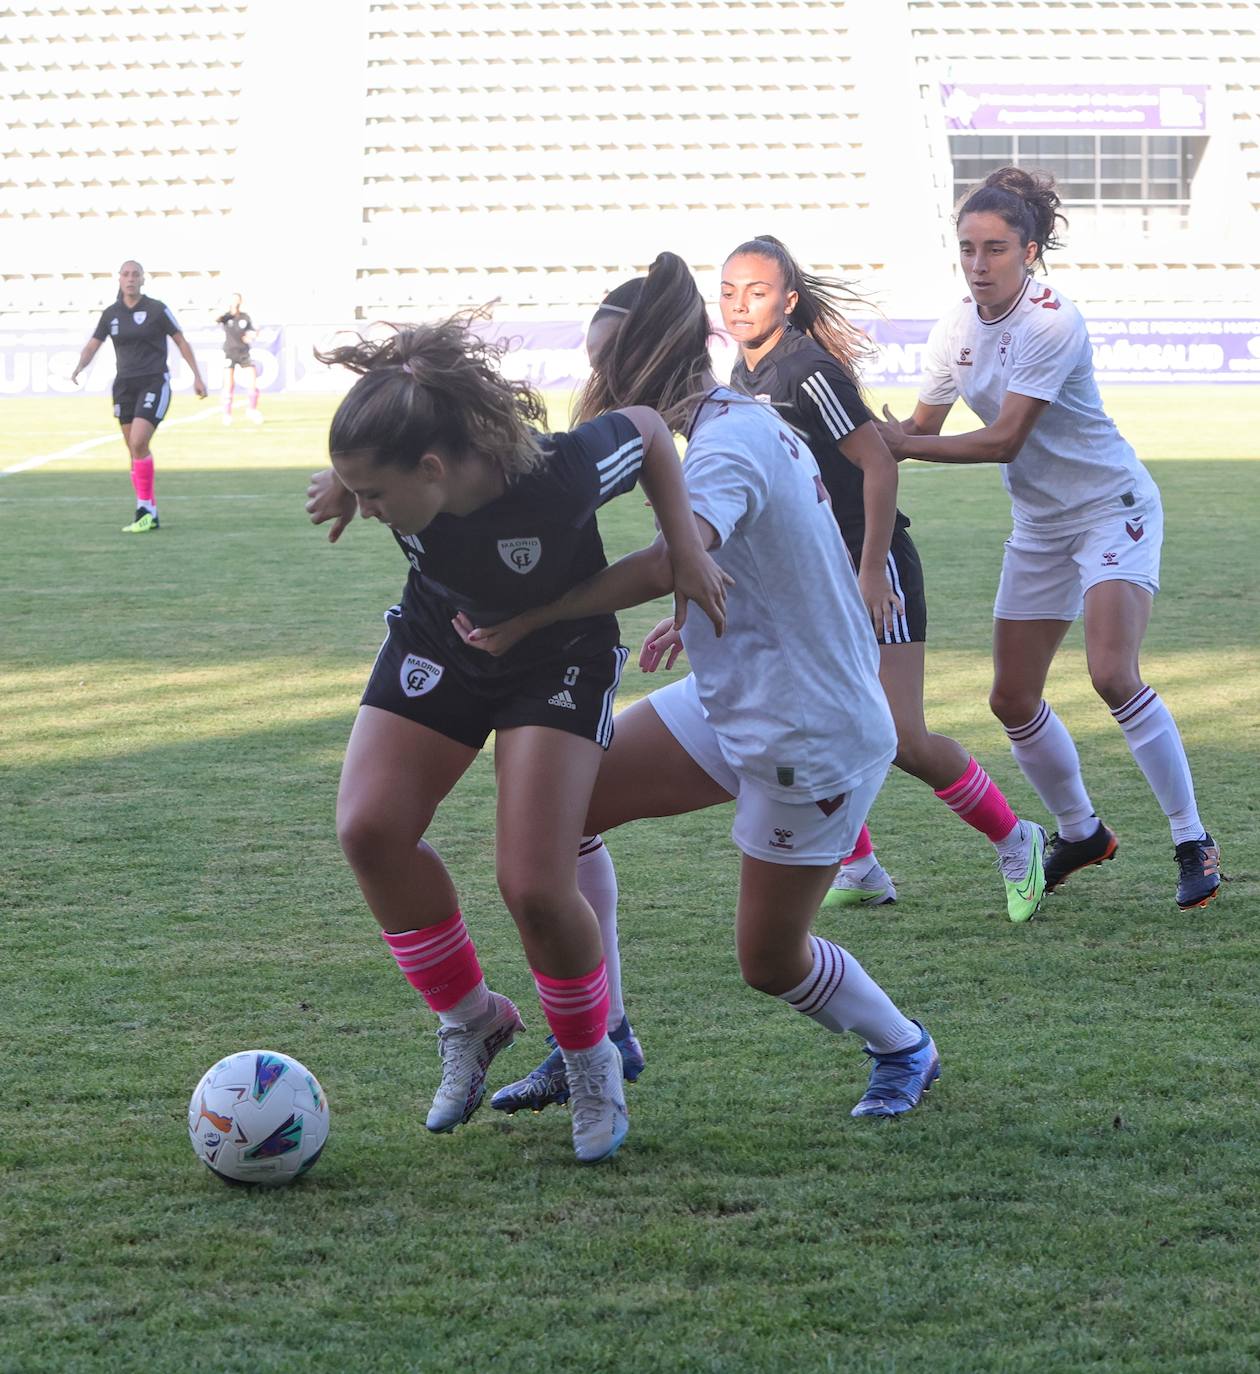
x,y
502,142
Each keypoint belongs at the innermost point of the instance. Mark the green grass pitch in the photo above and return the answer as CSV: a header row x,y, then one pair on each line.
x,y
1078,1193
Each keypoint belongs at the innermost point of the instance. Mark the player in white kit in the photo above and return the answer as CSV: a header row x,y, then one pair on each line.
x,y
784,713
1088,521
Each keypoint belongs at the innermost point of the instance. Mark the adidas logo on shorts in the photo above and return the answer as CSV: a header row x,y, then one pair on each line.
x,y
562,699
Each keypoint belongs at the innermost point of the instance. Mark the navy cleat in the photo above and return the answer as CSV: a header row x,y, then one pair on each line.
x,y
1065,857
899,1080
548,1084
1198,872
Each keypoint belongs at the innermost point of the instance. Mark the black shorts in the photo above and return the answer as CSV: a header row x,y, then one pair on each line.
x,y
425,685
905,572
142,398
238,359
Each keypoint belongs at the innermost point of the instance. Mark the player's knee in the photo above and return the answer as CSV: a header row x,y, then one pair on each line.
x,y
1115,682
1011,706
761,970
532,896
369,837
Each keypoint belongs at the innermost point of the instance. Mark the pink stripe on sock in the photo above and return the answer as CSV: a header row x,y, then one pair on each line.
x,y
440,961
977,799
576,1008
142,478
862,849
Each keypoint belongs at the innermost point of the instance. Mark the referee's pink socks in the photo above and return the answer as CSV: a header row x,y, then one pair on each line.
x,y
978,800
440,962
576,1008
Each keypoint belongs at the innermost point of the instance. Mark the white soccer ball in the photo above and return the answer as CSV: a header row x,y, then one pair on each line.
x,y
258,1117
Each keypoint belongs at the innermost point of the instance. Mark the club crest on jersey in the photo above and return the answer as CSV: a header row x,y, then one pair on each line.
x,y
521,555
419,675
139,316
964,357
1005,344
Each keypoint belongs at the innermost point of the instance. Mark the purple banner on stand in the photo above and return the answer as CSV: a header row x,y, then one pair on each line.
x,y
984,107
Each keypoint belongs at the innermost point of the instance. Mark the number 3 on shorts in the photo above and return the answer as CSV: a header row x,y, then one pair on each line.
x,y
571,676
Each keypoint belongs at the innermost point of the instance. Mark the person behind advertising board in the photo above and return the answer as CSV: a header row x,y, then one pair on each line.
x,y
1088,521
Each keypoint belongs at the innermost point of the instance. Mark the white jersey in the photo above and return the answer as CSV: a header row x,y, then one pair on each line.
x,y
792,688
1075,466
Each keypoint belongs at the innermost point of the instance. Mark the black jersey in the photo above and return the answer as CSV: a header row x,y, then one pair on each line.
x,y
812,392
139,335
235,327
524,549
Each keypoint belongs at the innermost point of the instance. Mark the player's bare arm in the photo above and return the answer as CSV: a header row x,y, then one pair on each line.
x,y
866,450
327,498
185,352
999,442
89,352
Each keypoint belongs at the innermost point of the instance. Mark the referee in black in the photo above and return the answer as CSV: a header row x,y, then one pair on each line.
x,y
140,327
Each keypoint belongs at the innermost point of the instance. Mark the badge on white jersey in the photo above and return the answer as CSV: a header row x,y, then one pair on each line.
x,y
419,675
521,555
139,316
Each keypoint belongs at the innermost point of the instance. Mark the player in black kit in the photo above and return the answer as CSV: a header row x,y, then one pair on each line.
x,y
238,334
494,518
140,327
799,354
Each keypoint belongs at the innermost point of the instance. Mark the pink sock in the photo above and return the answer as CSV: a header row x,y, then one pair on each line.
x,y
576,1008
977,799
142,479
863,849
229,386
253,399
440,961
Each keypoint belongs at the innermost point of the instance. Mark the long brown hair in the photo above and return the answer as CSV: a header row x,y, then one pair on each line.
x,y
659,356
819,300
435,387
1027,201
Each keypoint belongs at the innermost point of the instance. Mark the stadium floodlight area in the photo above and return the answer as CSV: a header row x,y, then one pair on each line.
x,y
410,158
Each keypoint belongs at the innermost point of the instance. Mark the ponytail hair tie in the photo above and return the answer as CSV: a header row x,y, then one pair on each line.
x,y
406,367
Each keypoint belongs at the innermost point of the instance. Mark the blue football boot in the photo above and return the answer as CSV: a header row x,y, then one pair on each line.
x,y
548,1084
899,1080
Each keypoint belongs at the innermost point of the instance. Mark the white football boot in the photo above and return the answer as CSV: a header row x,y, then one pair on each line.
x,y
466,1055
597,1099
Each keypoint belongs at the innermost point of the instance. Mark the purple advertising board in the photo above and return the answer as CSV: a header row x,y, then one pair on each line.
x,y
550,355
985,107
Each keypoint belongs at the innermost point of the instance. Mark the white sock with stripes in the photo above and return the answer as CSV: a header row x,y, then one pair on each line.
x,y
597,882
1048,759
841,995
1155,743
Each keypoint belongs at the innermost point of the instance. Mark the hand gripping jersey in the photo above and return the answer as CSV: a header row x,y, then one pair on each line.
x,y
1075,466
235,327
525,549
792,687
811,391
139,334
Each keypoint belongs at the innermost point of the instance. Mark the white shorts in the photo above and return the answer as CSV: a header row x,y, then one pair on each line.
x,y
814,834
1045,577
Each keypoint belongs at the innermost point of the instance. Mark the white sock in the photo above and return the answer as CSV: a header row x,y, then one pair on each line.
x,y
150,506
840,995
472,1007
1048,759
858,868
1013,842
597,882
1155,742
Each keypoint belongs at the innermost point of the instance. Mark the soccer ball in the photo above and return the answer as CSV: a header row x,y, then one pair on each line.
x,y
258,1117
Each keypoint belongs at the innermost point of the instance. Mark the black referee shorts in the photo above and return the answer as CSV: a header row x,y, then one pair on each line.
x,y
905,572
142,398
426,684
239,358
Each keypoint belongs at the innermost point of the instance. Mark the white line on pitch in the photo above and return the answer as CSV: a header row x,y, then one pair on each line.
x,y
85,444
